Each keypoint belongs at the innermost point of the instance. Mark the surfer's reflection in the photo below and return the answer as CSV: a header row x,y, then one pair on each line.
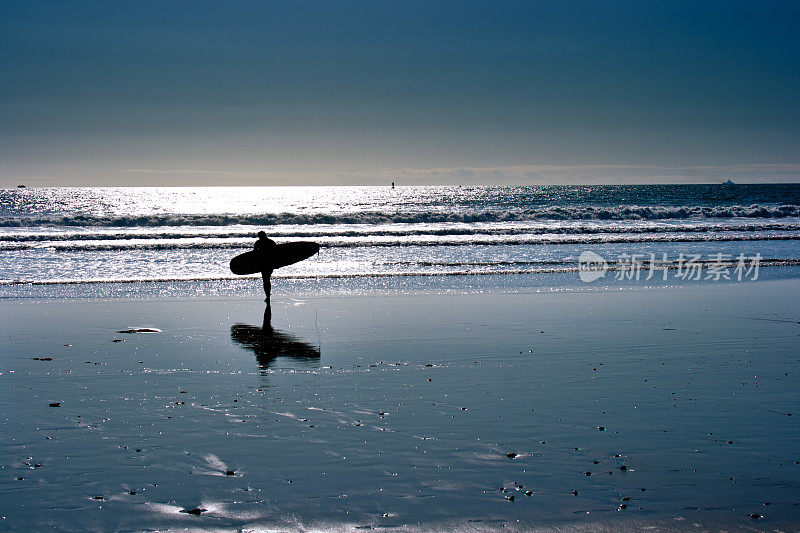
x,y
269,343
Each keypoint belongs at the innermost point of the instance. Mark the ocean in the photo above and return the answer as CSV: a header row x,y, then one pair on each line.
x,y
129,241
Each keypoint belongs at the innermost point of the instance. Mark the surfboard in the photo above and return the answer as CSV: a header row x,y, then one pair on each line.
x,y
282,255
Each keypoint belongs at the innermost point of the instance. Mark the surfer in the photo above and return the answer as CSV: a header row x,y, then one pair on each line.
x,y
265,247
266,256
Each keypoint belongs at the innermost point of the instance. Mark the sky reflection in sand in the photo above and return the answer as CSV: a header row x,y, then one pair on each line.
x,y
357,435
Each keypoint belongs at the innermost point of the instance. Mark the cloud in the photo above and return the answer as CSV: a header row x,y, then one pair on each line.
x,y
584,174
493,175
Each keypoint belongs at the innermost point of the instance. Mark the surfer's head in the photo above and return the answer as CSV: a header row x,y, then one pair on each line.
x,y
262,235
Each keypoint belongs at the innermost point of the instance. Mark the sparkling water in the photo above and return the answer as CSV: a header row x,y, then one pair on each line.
x,y
181,239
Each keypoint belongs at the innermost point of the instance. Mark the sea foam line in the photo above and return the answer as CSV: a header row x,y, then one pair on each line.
x,y
567,268
72,235
623,212
533,240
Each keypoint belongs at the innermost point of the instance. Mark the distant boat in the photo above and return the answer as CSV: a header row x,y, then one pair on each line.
x,y
21,187
728,183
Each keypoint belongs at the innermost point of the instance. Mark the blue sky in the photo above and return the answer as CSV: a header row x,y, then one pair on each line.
x,y
127,93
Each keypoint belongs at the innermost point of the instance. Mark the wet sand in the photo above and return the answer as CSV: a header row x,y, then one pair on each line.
x,y
672,408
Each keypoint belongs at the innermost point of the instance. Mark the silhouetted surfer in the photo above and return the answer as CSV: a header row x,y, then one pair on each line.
x,y
265,247
266,256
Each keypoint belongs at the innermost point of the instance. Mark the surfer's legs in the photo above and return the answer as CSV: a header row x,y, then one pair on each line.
x,y
265,276
266,326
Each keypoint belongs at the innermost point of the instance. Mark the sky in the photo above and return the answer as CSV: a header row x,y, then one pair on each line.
x,y
428,92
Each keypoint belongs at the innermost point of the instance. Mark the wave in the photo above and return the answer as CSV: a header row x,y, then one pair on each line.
x,y
530,240
461,270
561,213
404,232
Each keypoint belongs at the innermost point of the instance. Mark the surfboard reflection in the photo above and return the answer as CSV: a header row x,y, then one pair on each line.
x,y
268,343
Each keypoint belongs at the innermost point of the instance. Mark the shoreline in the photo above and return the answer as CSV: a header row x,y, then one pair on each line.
x,y
335,286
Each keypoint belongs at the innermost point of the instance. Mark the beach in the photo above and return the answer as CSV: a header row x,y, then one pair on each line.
x,y
673,408
412,267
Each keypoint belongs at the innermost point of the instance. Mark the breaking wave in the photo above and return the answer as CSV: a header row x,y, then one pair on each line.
x,y
409,231
517,241
623,212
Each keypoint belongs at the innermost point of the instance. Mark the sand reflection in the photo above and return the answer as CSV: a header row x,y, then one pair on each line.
x,y
269,343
